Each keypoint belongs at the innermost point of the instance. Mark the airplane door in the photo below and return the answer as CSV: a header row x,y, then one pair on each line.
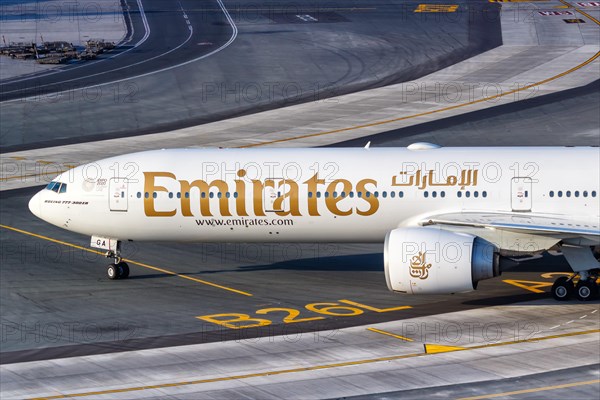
x,y
117,194
521,194
271,194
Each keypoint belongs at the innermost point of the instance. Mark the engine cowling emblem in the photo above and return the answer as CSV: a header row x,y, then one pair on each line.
x,y
419,267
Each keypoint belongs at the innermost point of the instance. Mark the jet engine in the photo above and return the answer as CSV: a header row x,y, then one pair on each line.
x,y
430,260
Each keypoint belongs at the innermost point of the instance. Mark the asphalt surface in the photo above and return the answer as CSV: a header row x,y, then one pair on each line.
x,y
160,35
276,59
566,118
56,301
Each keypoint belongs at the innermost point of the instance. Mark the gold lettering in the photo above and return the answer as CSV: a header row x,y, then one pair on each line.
x,y
150,188
372,200
258,195
332,201
313,186
240,188
292,194
204,187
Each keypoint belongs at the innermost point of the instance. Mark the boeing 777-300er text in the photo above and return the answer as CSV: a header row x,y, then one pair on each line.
x,y
448,217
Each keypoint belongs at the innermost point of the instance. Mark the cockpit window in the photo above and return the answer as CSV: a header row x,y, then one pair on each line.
x,y
57,187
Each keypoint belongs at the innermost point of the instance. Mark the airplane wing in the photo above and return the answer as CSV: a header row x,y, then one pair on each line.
x,y
556,226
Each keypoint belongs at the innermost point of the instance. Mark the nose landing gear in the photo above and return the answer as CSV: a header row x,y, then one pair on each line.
x,y
119,269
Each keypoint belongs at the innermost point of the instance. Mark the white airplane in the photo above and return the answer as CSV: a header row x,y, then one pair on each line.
x,y
447,216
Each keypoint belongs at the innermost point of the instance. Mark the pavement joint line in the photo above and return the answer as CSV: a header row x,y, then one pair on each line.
x,y
439,110
299,369
390,334
140,264
532,390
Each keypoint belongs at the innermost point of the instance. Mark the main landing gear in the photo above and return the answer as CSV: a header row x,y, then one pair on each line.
x,y
585,289
584,262
119,269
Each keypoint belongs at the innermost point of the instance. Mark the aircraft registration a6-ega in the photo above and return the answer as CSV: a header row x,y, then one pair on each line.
x,y
448,217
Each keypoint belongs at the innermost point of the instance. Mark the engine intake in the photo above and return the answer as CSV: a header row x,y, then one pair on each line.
x,y
430,260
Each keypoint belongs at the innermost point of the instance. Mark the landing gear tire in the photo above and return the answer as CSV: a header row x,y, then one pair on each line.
x,y
562,289
113,271
124,270
586,290
117,271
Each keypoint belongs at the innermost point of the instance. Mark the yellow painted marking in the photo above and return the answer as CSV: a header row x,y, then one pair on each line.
x,y
18,158
140,264
390,334
235,320
438,348
533,390
532,287
295,370
580,11
10,178
439,110
433,8
379,310
45,162
551,275
561,6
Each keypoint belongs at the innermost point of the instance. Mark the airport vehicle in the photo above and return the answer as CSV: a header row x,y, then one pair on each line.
x,y
448,217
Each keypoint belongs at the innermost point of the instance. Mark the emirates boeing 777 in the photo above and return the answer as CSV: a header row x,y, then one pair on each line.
x,y
447,217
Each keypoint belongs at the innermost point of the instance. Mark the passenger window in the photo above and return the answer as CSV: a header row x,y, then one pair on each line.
x,y
442,194
154,195
568,193
484,193
560,193
139,195
400,194
426,194
577,193
433,194
170,195
384,194
392,194
552,193
459,194
585,193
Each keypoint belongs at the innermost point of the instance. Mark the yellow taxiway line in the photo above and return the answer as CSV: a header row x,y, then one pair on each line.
x,y
140,264
295,370
390,334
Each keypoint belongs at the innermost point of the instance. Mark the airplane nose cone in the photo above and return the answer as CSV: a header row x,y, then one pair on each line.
x,y
35,205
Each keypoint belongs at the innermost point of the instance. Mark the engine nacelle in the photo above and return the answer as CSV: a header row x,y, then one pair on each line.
x,y
430,260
